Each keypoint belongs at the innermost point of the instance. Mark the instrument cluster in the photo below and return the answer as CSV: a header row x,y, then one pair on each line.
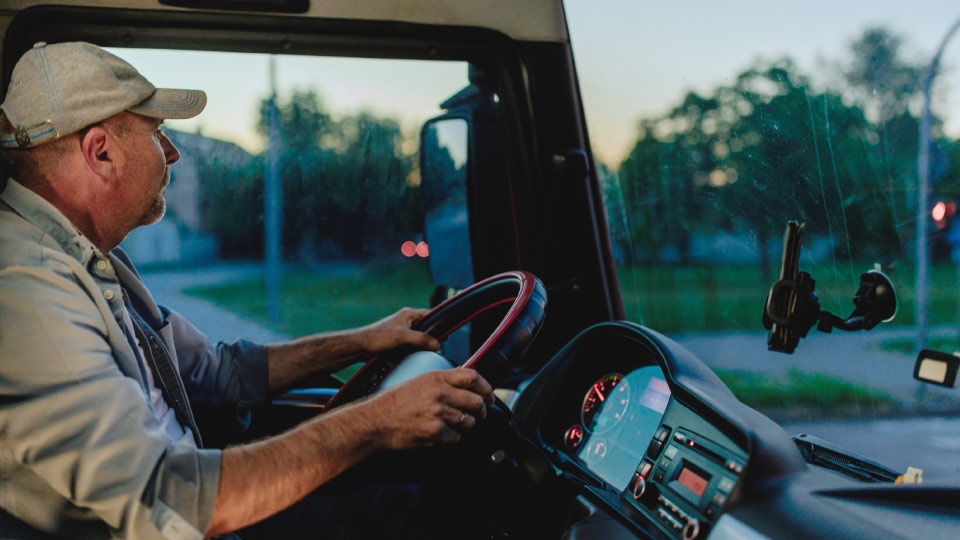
x,y
616,412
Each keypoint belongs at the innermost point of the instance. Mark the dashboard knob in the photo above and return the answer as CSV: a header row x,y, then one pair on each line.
x,y
691,529
639,486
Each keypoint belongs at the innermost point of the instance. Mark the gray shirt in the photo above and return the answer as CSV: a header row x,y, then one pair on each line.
x,y
82,454
161,409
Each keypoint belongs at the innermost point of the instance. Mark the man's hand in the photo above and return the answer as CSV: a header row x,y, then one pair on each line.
x,y
290,362
394,331
435,408
262,478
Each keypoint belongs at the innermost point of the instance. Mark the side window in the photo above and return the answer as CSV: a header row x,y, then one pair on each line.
x,y
351,226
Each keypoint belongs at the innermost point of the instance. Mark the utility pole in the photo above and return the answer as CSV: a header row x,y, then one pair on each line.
x,y
923,195
273,204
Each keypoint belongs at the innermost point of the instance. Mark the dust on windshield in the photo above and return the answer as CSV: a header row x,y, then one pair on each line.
x,y
712,127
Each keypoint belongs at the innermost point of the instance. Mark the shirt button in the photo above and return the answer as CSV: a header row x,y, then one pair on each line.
x,y
102,264
108,294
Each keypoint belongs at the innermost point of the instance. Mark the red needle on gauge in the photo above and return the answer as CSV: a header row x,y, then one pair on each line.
x,y
597,390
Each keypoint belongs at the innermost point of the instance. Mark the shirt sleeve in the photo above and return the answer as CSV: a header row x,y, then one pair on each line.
x,y
70,416
221,374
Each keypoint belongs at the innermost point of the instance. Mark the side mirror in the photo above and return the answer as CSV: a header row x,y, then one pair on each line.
x,y
444,165
936,367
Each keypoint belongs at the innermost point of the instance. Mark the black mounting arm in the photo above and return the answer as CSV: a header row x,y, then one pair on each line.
x,y
792,307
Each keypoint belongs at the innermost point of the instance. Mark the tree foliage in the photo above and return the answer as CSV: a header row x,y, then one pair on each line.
x,y
772,147
345,186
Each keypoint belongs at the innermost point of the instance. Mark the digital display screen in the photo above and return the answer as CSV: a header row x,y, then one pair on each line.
x,y
656,395
693,481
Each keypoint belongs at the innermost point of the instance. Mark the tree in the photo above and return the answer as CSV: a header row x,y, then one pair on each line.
x,y
345,186
879,77
754,154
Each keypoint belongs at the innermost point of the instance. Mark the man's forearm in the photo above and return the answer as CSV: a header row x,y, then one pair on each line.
x,y
289,362
258,480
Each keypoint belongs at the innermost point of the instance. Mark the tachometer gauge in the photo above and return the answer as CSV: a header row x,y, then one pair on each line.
x,y
605,403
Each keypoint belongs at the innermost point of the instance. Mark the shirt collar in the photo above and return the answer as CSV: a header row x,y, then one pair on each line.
x,y
51,221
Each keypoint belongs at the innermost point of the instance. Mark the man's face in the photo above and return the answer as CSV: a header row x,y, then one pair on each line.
x,y
147,155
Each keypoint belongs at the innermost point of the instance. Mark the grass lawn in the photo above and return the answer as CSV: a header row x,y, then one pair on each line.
x,y
802,392
908,346
315,303
731,297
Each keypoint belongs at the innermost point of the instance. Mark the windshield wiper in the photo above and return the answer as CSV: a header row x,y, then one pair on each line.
x,y
817,451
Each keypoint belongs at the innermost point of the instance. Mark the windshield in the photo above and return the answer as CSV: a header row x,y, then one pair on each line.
x,y
713,126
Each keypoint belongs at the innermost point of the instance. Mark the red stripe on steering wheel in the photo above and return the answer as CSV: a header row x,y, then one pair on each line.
x,y
474,316
527,285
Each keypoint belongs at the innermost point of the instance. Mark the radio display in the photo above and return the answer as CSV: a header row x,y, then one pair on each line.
x,y
693,481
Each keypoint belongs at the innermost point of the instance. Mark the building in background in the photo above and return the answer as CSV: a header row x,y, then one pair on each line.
x,y
181,236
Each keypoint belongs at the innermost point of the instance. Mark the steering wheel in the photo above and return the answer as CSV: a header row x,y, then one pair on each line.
x,y
492,359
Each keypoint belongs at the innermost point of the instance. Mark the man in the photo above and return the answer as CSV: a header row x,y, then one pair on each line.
x,y
97,435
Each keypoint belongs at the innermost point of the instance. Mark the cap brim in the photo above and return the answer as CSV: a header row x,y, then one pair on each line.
x,y
172,103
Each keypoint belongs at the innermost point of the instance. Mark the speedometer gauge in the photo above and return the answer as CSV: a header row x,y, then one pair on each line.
x,y
605,403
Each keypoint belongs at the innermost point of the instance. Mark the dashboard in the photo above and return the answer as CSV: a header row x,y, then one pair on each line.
x,y
605,408
653,445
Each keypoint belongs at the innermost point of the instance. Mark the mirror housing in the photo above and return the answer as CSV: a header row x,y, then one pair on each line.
x,y
444,169
936,367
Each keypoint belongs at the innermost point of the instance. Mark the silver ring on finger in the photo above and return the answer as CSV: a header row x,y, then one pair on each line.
x,y
463,417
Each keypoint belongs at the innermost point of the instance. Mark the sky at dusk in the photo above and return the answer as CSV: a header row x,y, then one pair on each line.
x,y
635,59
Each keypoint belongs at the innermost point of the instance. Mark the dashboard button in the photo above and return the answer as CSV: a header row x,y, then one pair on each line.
x,y
671,452
734,466
663,434
691,529
644,469
712,511
639,486
725,485
654,449
659,474
720,499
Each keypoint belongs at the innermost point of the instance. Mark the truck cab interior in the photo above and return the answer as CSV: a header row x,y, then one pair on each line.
x,y
357,156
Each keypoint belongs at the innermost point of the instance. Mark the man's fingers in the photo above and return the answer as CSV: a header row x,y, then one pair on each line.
x,y
412,315
459,420
471,380
423,340
467,401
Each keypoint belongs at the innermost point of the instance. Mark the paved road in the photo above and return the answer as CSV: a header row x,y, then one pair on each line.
x,y
855,357
218,323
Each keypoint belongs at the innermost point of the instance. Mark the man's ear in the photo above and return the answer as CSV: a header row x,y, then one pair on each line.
x,y
97,148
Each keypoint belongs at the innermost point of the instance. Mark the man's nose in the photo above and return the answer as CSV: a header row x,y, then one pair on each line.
x,y
169,150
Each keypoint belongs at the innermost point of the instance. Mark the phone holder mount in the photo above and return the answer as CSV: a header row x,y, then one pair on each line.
x,y
792,307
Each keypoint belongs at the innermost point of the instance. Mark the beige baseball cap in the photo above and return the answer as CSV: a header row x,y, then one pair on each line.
x,y
62,88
